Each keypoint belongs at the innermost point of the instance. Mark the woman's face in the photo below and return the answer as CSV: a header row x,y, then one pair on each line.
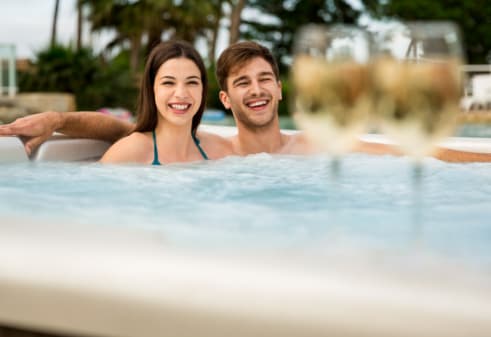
x,y
178,91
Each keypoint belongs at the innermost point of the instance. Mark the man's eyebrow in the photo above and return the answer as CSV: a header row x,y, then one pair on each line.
x,y
267,73
241,78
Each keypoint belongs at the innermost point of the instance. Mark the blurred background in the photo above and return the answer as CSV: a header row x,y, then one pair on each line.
x,y
96,49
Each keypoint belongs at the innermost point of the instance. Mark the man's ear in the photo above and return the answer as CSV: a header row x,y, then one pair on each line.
x,y
224,99
280,85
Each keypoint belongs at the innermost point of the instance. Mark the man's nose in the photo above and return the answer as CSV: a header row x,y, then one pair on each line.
x,y
255,88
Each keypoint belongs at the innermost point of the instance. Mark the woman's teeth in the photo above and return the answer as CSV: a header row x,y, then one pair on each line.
x,y
179,106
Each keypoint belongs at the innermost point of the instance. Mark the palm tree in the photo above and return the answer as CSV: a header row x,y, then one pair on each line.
x,y
122,16
135,20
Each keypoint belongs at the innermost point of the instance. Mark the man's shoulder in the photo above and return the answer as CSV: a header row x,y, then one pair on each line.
x,y
215,145
297,143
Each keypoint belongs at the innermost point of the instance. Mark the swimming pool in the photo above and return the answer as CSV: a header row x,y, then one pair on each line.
x,y
262,245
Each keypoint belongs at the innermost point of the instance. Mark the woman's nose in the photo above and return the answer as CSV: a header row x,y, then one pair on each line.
x,y
181,91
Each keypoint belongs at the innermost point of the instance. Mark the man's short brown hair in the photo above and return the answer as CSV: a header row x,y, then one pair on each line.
x,y
239,54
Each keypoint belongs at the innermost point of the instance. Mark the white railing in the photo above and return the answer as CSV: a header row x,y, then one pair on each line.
x,y
477,87
8,84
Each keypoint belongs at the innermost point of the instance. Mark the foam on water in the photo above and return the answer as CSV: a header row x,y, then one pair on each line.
x,y
268,201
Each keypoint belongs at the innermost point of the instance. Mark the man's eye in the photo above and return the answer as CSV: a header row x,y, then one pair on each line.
x,y
265,79
241,84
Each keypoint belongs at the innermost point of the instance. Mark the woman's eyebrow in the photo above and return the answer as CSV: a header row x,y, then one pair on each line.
x,y
173,78
167,77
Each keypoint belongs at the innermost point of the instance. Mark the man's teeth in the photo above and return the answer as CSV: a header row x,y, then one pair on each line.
x,y
179,106
258,103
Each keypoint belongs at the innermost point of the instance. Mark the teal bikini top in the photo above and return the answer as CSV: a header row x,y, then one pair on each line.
x,y
156,152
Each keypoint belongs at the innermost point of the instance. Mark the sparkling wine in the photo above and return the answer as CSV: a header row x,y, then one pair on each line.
x,y
331,101
416,103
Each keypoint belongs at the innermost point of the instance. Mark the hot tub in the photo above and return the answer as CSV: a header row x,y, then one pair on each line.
x,y
256,246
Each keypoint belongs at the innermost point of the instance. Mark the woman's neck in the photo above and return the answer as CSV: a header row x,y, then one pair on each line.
x,y
174,143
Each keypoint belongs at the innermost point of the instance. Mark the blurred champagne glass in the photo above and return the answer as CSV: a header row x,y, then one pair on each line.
x,y
417,82
331,98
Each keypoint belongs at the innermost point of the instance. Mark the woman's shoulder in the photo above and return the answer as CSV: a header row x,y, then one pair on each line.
x,y
134,148
215,145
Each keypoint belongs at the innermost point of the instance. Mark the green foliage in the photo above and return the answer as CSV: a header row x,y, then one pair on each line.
x,y
113,86
284,106
288,16
94,83
473,18
213,91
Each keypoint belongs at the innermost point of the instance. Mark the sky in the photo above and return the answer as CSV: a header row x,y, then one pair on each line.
x,y
27,24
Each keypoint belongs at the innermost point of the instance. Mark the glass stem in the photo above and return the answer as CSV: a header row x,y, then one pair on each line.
x,y
417,203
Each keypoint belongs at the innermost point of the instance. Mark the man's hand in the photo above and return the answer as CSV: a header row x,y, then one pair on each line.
x,y
33,129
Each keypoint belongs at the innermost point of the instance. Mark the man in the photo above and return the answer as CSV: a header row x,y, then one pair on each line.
x,y
249,80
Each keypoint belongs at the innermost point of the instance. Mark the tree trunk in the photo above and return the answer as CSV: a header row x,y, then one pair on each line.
x,y
235,21
54,24
79,24
212,46
154,38
135,53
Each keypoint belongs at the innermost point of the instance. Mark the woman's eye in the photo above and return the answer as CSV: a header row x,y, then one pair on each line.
x,y
167,83
193,83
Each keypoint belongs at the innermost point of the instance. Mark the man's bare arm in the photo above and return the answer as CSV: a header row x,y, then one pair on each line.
x,y
37,128
441,153
88,124
457,156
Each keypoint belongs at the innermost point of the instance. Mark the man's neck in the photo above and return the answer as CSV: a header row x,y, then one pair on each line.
x,y
267,139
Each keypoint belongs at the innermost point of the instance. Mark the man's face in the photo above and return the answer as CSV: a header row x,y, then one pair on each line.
x,y
253,94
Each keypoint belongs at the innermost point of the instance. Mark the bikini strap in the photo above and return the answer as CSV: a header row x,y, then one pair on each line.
x,y
155,150
196,141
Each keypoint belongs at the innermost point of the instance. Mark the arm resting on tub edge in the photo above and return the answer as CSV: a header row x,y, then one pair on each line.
x,y
452,150
37,128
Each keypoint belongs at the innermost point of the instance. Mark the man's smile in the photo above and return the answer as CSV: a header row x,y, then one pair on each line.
x,y
257,105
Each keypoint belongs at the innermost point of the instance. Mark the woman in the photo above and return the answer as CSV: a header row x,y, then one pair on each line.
x,y
170,106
